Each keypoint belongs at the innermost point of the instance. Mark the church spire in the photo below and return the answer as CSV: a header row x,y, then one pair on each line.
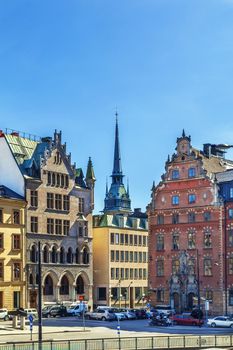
x,y
117,170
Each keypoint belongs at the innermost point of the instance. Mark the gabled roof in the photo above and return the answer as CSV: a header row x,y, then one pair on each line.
x,y
224,176
6,192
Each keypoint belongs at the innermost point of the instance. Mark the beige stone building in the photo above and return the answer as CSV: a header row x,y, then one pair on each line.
x,y
59,215
12,253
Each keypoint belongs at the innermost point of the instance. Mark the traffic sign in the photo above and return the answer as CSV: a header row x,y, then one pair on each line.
x,y
30,317
81,297
148,305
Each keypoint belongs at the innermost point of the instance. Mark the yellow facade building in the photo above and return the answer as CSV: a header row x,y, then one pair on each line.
x,y
12,249
120,256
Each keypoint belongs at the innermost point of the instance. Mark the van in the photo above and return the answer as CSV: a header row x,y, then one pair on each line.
x,y
77,310
32,312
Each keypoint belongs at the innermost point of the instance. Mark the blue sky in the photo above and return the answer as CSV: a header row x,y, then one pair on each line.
x,y
165,64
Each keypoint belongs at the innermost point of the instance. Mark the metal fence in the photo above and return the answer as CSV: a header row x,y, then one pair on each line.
x,y
137,343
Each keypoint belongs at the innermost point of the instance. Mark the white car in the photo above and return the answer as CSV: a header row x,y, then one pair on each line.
x,y
119,315
101,314
220,321
4,314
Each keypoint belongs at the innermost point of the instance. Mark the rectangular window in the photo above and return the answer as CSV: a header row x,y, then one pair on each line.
x,y
16,300
231,192
1,216
34,224
160,219
112,238
58,227
160,242
34,199
117,273
126,239
136,273
140,257
131,256
175,218
139,240
175,241
112,255
50,226
81,205
1,270
231,297
160,268
191,240
131,273
117,255
116,238
135,240
112,273
16,217
207,267
207,216
58,201
140,274
144,241
135,256
191,172
160,295
192,198
16,271
66,227
126,256
175,200
207,239
175,174
122,274
144,274
50,200
230,213
144,257
230,238
102,294
122,238
191,217
131,239
126,274
15,242
66,203
122,256
1,240
230,266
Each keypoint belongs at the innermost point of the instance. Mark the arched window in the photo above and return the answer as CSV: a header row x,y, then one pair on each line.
x,y
62,255
48,286
31,278
77,256
80,285
70,256
85,256
33,254
54,255
45,254
64,289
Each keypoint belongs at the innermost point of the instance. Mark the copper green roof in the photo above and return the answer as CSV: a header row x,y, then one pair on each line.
x,y
22,148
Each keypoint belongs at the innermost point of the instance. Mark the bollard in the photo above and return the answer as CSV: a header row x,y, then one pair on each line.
x,y
22,322
14,321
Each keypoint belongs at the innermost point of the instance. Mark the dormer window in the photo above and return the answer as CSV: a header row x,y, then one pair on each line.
x,y
191,172
175,174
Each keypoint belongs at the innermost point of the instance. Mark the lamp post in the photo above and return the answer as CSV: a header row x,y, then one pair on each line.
x,y
39,298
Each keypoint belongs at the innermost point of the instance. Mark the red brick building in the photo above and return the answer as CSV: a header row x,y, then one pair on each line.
x,y
186,230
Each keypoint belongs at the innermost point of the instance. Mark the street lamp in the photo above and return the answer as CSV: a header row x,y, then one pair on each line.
x,y
39,298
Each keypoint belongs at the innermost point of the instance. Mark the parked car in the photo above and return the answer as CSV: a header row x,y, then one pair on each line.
x,y
4,315
186,320
76,310
119,315
220,321
101,314
53,311
130,315
140,313
166,310
32,312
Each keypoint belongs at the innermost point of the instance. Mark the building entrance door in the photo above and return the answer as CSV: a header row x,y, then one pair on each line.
x,y
176,299
1,299
33,298
190,301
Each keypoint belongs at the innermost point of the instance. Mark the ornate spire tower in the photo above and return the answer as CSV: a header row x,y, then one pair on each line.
x,y
117,199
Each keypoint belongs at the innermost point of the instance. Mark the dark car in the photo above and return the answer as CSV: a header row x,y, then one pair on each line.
x,y
54,311
140,313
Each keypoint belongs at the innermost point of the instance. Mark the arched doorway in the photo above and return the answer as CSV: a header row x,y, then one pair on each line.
x,y
176,299
190,301
80,285
64,288
48,286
